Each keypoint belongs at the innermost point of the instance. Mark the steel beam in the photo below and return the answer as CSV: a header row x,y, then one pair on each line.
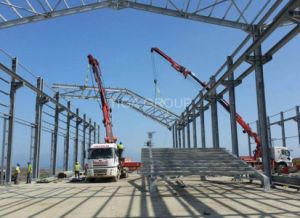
x,y
282,129
233,125
249,146
214,116
176,135
173,136
13,89
202,122
261,105
269,132
38,129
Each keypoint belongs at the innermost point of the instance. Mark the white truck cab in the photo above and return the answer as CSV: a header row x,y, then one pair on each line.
x,y
103,162
282,157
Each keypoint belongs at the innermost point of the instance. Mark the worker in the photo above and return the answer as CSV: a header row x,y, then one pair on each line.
x,y
17,174
29,173
77,170
120,147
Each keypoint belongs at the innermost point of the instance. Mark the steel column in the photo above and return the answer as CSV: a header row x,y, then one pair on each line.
x,y
3,149
67,144
261,104
90,132
249,146
183,136
298,122
176,135
179,137
188,133
202,122
173,136
194,129
232,106
269,132
214,115
13,88
38,130
95,128
76,136
98,127
83,153
31,148
282,129
55,132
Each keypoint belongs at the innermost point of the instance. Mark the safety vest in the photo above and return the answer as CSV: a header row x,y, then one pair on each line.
x,y
18,170
120,146
77,167
29,170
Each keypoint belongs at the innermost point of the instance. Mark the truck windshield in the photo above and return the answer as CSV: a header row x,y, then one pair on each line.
x,y
285,152
103,153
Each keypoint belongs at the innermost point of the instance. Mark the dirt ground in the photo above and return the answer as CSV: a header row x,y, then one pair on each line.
x,y
130,198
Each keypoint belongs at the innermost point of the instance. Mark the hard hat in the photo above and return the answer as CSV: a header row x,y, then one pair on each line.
x,y
121,143
18,164
28,162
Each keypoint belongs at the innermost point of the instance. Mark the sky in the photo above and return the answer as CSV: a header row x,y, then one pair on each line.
x,y
121,40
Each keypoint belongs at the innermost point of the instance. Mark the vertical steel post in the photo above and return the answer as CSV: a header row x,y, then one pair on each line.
x,y
188,132
11,119
214,115
257,127
67,144
232,106
173,136
282,129
31,144
83,141
98,133
194,127
95,128
249,146
269,132
76,136
52,150
179,137
90,132
38,130
3,149
261,105
55,132
183,136
202,122
298,122
176,135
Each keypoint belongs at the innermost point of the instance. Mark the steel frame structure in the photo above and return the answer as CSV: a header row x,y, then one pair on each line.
x,y
42,99
229,13
259,22
121,96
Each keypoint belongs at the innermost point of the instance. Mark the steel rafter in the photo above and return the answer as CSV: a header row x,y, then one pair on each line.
x,y
229,13
121,96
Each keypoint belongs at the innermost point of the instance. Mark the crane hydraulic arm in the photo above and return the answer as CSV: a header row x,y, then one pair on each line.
x,y
109,138
185,72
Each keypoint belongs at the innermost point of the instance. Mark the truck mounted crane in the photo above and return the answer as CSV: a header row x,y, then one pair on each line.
x,y
104,160
106,110
245,126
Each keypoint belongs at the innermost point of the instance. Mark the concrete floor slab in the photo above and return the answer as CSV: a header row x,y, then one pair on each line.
x,y
129,198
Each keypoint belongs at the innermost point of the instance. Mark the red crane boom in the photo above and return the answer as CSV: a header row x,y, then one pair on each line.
x,y
109,138
185,72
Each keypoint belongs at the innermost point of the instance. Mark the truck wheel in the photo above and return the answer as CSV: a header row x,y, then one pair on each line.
x,y
280,167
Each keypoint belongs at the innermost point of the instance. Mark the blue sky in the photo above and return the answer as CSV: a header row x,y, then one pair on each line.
x,y
121,40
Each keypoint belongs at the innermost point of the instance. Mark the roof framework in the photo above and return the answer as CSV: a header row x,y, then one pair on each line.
x,y
239,14
120,96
